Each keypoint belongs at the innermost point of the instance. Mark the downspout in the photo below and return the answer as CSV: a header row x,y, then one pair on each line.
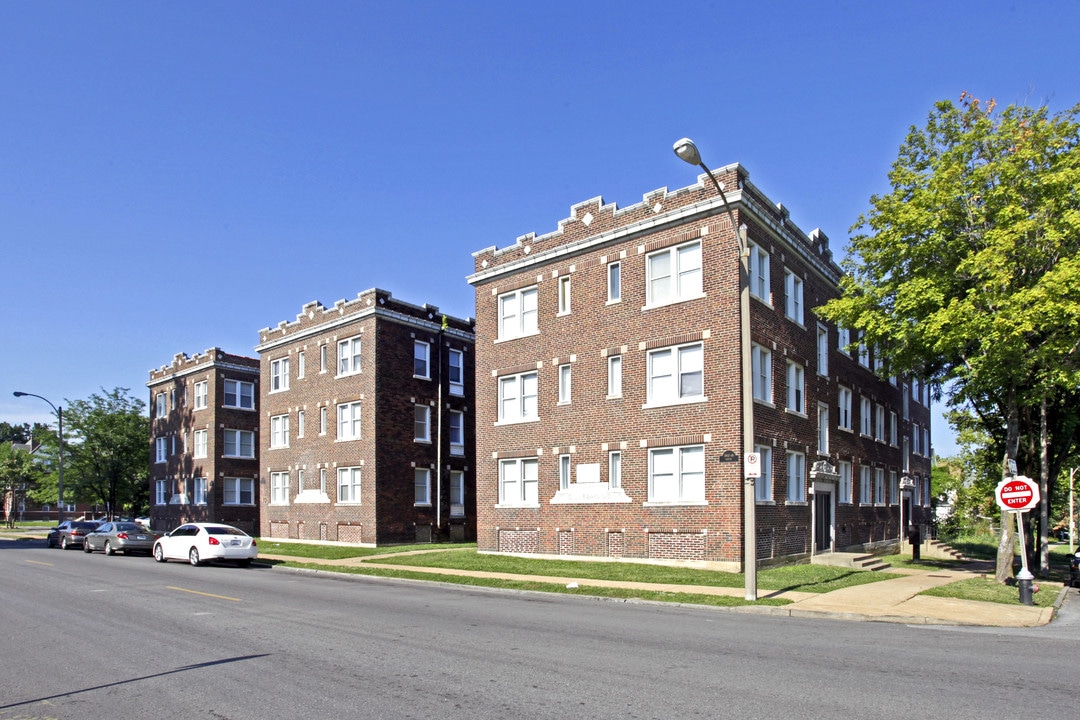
x,y
438,434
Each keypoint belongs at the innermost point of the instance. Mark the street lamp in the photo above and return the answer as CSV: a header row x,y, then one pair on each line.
x,y
687,151
59,452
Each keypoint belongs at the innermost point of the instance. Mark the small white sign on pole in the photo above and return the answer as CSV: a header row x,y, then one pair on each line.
x,y
752,463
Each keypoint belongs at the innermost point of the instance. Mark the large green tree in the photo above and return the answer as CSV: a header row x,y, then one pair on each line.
x,y
966,273
18,474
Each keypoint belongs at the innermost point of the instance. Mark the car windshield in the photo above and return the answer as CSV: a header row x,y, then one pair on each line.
x,y
85,525
224,530
128,527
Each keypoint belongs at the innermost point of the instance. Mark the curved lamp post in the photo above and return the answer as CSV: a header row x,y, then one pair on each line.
x,y
687,151
59,452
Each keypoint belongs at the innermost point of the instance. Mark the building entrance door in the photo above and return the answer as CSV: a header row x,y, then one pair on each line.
x,y
822,522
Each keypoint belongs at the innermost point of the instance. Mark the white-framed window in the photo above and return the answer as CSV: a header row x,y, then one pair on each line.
x,y
348,420
421,486
238,491
793,296
865,417
199,491
322,420
161,492
844,468
279,431
457,493
301,364
456,427
614,376
674,274
615,469
843,340
892,428
676,374
843,408
456,363
322,480
906,403
421,423
822,429
279,488
894,489
796,477
565,376
879,423
518,313
796,389
564,472
239,443
759,272
864,351
763,486
348,353
518,481
172,444
421,359
301,424
879,360
564,295
279,375
517,398
926,441
322,358
761,369
823,351
299,481
162,402
915,439
348,485
200,438
201,395
677,474
879,486
161,449
614,282
865,486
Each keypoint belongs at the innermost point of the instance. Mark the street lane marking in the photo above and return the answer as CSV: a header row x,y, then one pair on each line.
x,y
196,592
38,562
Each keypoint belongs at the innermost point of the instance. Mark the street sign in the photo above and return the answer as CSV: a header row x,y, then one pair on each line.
x,y
752,463
1017,493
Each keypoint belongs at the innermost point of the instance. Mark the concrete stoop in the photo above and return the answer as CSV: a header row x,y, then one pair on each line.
x,y
856,561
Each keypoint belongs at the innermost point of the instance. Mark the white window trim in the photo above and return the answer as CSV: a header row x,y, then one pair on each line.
x,y
457,388
279,432
763,486
238,483
760,282
519,482
354,421
279,374
679,452
349,351
426,425
426,346
796,483
762,376
456,448
614,377
676,295
522,328
566,387
563,287
239,445
615,267
426,502
520,397
350,473
200,450
279,488
202,399
796,388
651,400
793,298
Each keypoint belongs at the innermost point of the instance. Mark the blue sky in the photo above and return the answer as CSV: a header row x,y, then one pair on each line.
x,y
178,175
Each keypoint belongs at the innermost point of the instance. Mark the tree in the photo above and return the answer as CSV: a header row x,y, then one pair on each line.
x,y
965,274
18,473
107,459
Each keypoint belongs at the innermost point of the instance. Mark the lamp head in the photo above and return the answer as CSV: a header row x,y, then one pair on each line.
x,y
687,150
18,394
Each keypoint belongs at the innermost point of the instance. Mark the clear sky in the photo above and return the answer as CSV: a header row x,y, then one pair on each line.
x,y
175,176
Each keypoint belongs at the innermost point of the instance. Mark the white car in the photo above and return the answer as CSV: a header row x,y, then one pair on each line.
x,y
199,543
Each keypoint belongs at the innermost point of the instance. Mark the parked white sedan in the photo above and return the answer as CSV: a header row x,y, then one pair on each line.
x,y
199,543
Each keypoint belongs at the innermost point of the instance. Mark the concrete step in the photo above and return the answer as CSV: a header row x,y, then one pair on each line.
x,y
856,561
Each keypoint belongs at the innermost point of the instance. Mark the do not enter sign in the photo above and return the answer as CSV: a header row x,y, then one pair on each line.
x,y
1018,493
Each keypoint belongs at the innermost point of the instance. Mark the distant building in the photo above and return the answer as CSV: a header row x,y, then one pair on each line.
x,y
367,424
204,449
609,395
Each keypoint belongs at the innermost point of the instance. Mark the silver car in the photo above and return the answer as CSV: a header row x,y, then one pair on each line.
x,y
120,537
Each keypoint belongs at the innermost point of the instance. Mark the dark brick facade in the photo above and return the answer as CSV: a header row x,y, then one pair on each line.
x,y
580,326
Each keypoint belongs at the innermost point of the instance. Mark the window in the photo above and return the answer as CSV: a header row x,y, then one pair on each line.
x,y
615,469
879,486
457,493
422,486
200,395
564,472
796,477
421,357
161,492
564,295
322,480
348,485
301,364
239,443
322,358
845,481
421,423
238,491
200,491
677,474
864,486
879,423
299,481
200,443
517,398
892,428
915,435
564,384
322,421
879,360
300,423
517,314
795,388
614,376
761,369
348,420
279,431
759,272
822,351
793,296
675,375
518,482
160,410
279,374
614,282
161,449
456,426
894,489
864,417
926,441
763,485
674,274
279,488
822,429
864,351
456,360
348,353
843,419
843,339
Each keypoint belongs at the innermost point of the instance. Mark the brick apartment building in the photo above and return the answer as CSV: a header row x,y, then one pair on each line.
x,y
204,457
609,393
367,424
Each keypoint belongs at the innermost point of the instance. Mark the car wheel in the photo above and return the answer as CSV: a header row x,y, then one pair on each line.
x,y
50,543
243,563
63,543
193,556
86,548
159,554
108,548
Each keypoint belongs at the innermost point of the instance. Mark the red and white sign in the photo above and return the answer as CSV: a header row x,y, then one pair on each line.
x,y
752,463
1018,493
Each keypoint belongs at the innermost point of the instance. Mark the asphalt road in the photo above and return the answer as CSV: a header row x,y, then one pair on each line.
x,y
89,636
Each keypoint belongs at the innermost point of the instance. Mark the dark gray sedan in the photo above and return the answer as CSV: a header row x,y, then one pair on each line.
x,y
122,537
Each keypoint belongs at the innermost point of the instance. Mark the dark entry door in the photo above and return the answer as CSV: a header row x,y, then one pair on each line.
x,y
823,522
